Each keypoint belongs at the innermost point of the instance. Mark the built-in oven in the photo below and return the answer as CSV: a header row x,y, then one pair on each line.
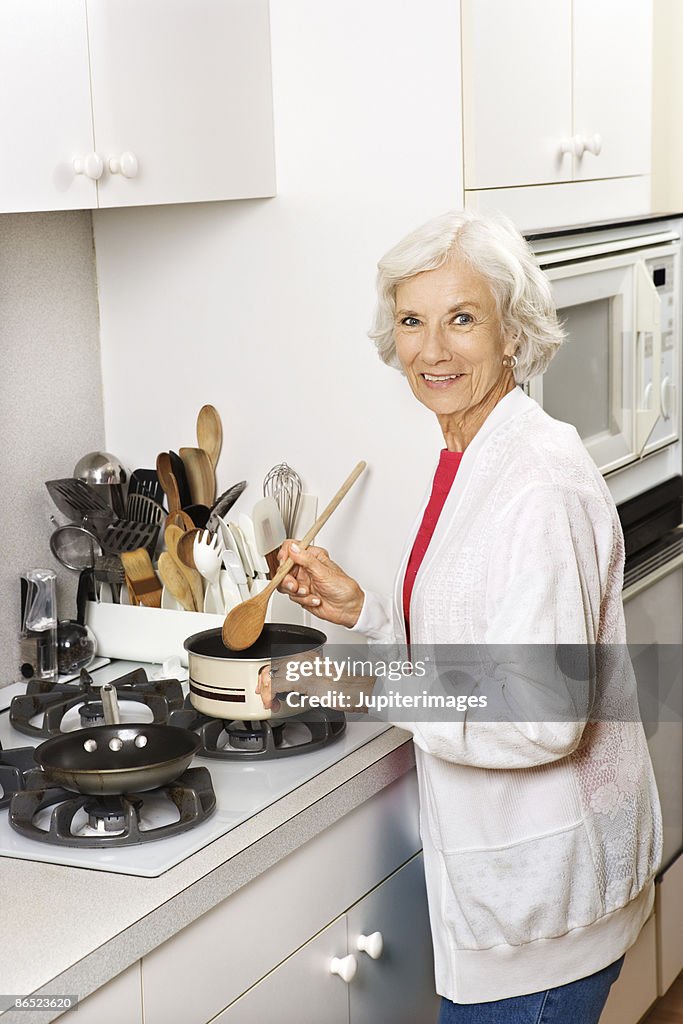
x,y
617,376
653,605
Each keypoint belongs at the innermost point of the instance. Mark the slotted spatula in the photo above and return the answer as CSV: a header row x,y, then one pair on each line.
x,y
78,501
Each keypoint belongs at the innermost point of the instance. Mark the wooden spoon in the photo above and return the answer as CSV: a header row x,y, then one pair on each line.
x,y
172,537
168,482
186,547
200,475
210,433
244,623
181,519
175,582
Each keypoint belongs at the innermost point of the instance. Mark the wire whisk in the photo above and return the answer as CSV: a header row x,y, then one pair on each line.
x,y
284,485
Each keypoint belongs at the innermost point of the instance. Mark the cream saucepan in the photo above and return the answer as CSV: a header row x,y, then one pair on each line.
x,y
223,682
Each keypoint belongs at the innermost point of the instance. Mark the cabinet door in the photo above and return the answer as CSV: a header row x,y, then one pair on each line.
x,y
301,990
635,990
185,90
612,85
399,985
45,116
517,91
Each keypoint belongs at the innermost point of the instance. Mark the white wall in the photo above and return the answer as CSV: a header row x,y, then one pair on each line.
x,y
261,307
51,409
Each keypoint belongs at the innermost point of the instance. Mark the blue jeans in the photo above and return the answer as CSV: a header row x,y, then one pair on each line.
x,y
580,1002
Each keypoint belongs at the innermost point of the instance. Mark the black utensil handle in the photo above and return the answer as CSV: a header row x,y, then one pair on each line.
x,y
86,592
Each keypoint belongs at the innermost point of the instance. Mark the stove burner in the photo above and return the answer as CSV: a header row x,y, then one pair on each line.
x,y
107,814
91,714
250,735
161,696
117,820
14,766
264,740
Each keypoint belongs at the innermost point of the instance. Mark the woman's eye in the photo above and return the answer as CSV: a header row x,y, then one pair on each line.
x,y
463,319
410,321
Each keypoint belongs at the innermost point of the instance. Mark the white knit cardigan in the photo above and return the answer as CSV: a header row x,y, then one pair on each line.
x,y
540,839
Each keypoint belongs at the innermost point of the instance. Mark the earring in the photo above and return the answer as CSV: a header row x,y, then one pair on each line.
x,y
509,362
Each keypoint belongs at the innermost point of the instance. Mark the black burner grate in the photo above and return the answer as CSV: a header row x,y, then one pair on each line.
x,y
192,794
14,766
261,740
161,696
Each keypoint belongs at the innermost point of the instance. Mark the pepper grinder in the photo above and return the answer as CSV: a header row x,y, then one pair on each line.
x,y
38,637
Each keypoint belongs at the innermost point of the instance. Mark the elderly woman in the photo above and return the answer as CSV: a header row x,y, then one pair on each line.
x,y
541,838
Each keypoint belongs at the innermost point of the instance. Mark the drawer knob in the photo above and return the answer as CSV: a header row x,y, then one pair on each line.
x,y
91,165
125,164
373,944
345,967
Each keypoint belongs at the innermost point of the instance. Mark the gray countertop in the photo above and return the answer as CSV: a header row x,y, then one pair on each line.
x,y
70,930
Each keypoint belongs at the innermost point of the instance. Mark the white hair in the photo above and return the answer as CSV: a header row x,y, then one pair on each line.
x,y
493,247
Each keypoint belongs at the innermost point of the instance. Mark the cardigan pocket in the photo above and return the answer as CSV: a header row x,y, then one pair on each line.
x,y
541,888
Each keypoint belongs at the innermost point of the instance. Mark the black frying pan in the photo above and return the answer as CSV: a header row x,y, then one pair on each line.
x,y
110,759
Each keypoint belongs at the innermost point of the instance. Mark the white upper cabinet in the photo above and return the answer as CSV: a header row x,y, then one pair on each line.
x,y
517,76
130,102
555,91
612,87
45,112
182,100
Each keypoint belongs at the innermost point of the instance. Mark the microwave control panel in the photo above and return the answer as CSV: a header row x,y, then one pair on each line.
x,y
664,271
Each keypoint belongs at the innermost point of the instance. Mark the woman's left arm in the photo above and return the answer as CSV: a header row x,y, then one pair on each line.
x,y
550,563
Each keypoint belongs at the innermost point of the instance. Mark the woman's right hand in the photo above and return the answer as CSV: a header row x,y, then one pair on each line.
x,y
320,585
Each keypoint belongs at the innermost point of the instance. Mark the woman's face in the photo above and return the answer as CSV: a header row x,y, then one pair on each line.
x,y
448,338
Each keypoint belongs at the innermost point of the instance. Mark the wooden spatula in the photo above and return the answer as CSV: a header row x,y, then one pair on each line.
x,y
210,433
243,624
141,578
175,582
200,475
168,482
172,536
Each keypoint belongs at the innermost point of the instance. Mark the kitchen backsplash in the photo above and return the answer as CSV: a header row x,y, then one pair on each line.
x,y
51,401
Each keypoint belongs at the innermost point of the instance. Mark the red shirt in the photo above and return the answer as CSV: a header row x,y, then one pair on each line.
x,y
441,485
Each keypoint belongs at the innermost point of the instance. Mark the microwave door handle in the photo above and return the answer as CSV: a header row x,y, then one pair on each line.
x,y
648,321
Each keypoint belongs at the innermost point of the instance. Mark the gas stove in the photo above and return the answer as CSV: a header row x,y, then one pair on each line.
x,y
251,766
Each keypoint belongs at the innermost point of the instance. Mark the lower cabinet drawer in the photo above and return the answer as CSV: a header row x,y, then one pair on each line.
x,y
635,990
301,990
227,950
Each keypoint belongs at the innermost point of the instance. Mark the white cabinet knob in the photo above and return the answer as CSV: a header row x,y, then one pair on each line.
x,y
91,165
667,392
125,164
567,146
592,145
345,967
373,944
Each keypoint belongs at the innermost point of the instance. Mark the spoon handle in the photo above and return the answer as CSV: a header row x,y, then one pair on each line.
x,y
317,525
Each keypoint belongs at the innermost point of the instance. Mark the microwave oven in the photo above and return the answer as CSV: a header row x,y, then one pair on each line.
x,y
617,376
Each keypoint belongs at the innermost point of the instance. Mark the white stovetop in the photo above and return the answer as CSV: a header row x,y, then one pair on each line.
x,y
241,791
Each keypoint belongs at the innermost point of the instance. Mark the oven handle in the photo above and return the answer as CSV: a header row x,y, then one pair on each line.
x,y
653,577
648,321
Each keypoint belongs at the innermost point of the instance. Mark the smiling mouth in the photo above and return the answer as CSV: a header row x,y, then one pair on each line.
x,y
433,380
